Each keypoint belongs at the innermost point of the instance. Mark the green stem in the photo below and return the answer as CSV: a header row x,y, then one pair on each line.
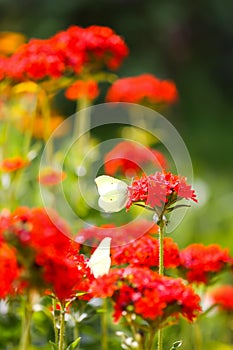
x,y
82,124
5,137
160,339
161,252
135,333
76,330
62,327
29,131
46,113
197,336
26,324
55,320
104,326
151,339
161,224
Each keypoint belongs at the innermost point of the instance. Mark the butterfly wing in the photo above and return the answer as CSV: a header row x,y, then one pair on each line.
x,y
100,260
113,202
113,193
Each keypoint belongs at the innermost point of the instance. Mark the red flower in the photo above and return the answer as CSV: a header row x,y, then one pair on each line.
x,y
144,292
5,220
105,45
144,251
92,46
129,158
159,189
13,164
143,89
67,51
49,260
200,262
66,275
82,89
35,228
50,177
3,62
36,60
222,296
9,269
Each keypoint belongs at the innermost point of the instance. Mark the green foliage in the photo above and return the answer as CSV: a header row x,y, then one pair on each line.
x,y
74,345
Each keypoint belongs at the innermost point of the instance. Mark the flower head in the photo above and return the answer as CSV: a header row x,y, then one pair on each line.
x,y
144,251
143,89
9,269
82,89
159,190
36,60
71,51
13,164
65,275
49,260
200,262
144,292
222,296
50,177
129,158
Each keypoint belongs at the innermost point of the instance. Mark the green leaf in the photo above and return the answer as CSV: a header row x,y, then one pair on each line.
x,y
74,345
53,345
176,345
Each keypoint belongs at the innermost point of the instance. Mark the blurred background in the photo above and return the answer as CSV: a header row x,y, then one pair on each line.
x,y
188,42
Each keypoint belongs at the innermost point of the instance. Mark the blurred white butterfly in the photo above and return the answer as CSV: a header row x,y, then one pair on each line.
x,y
113,193
100,260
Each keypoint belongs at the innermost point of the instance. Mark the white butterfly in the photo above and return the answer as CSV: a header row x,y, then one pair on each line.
x,y
100,260
113,193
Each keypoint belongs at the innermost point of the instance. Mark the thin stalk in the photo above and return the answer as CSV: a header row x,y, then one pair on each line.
x,y
82,124
4,137
62,327
55,320
197,336
104,326
160,339
135,333
26,324
76,331
161,252
46,113
161,224
29,131
151,340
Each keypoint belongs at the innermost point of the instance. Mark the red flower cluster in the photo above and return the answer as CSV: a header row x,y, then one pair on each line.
x,y
82,89
3,62
144,292
67,51
129,158
201,262
92,236
160,189
67,274
143,89
145,252
9,269
49,260
51,177
222,296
